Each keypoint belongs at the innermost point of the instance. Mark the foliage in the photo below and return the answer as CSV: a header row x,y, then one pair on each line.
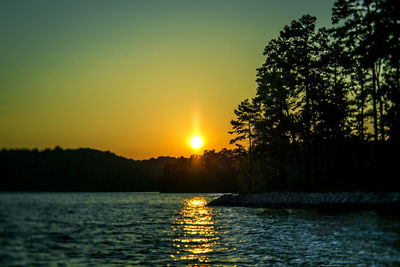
x,y
92,170
321,93
77,170
211,172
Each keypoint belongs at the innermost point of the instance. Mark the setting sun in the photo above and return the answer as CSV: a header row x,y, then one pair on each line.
x,y
196,142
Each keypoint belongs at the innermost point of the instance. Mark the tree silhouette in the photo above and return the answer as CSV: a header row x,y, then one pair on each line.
x,y
243,127
361,31
319,91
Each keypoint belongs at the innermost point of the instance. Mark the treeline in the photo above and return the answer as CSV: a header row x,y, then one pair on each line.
x,y
89,170
77,170
326,113
211,172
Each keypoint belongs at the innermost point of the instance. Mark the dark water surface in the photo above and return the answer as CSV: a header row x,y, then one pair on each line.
x,y
177,229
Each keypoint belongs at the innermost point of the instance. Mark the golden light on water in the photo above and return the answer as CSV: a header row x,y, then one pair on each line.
x,y
195,231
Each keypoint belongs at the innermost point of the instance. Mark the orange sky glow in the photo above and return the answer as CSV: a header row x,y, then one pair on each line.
x,y
138,78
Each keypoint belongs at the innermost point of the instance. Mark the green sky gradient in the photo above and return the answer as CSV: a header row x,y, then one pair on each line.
x,y
134,77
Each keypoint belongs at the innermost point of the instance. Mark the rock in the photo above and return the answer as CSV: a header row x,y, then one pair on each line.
x,y
342,200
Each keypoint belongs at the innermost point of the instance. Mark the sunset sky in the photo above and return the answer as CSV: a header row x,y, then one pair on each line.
x,y
138,78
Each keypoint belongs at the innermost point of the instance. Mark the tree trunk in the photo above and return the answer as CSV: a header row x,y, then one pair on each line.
x,y
374,93
397,93
380,100
398,87
396,101
252,182
374,98
362,110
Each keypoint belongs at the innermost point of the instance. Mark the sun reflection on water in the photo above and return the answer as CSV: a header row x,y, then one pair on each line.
x,y
195,231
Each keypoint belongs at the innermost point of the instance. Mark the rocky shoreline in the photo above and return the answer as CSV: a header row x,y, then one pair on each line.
x,y
289,200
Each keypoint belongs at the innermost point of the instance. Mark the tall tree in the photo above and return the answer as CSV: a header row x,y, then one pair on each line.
x,y
331,93
243,127
276,96
300,55
388,27
360,30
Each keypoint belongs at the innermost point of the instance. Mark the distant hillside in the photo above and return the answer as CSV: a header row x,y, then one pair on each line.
x,y
81,169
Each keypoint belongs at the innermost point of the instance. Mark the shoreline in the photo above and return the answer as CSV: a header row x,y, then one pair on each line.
x,y
313,200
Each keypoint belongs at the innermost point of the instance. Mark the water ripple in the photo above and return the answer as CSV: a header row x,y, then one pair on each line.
x,y
178,229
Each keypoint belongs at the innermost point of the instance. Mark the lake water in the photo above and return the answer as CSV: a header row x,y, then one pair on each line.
x,y
178,229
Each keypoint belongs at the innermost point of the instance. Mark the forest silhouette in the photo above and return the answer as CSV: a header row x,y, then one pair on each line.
x,y
89,170
326,112
325,117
